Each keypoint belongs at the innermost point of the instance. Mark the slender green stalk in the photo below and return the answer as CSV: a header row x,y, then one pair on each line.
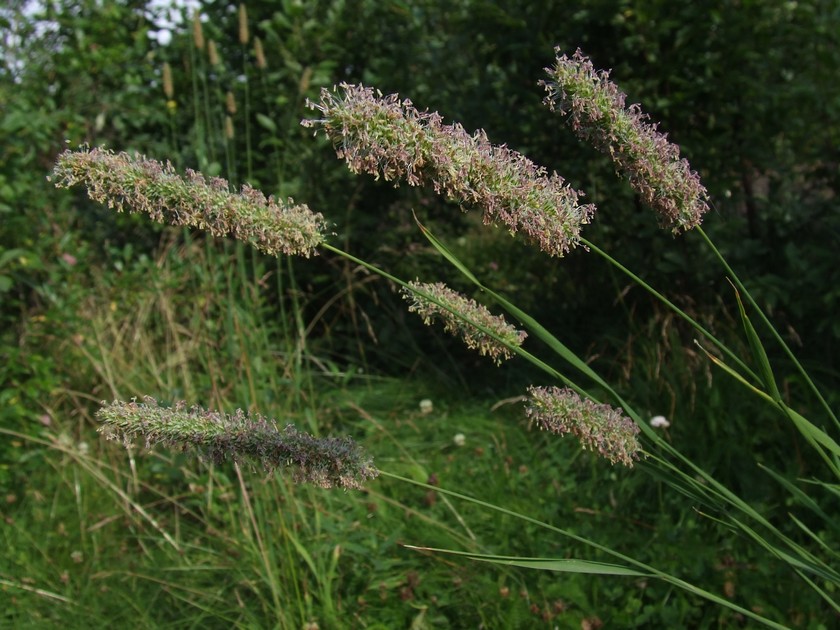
x,y
772,329
673,307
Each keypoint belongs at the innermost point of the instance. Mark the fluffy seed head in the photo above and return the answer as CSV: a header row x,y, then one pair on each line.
x,y
213,54
389,138
198,31
596,112
241,437
143,185
599,427
259,54
168,87
475,338
244,36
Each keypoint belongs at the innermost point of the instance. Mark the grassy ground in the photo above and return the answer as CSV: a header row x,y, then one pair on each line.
x,y
156,540
95,535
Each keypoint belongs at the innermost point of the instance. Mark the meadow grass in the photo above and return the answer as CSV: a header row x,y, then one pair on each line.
x,y
156,539
101,534
160,540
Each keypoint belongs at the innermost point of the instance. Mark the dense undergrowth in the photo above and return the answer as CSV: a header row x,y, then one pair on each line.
x,y
156,540
96,533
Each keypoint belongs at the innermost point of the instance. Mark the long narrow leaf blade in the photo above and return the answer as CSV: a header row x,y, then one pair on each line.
x,y
802,497
564,565
446,253
599,568
758,351
722,365
813,432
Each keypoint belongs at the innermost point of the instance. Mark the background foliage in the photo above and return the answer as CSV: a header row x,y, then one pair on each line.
x,y
96,305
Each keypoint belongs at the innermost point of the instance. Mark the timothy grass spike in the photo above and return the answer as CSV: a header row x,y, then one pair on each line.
x,y
144,185
390,138
597,114
324,462
198,31
472,336
599,427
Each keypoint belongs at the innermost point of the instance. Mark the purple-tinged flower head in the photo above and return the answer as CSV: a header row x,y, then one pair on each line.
x,y
474,338
597,113
389,138
598,427
144,185
324,462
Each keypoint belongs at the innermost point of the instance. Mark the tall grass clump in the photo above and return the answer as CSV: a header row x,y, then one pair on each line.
x,y
389,138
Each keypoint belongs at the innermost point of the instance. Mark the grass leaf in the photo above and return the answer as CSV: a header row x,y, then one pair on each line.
x,y
566,565
758,351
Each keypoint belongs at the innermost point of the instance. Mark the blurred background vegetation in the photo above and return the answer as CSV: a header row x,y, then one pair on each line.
x,y
97,305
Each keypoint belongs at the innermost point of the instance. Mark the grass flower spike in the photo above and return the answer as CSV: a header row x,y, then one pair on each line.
x,y
599,427
597,114
387,137
198,31
259,54
472,336
324,462
168,85
244,35
148,186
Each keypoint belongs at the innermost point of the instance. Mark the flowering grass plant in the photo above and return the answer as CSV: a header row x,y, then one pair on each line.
x,y
389,138
324,462
122,181
494,345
